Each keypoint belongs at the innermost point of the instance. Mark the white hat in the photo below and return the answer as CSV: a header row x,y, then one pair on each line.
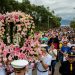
x,y
19,63
43,45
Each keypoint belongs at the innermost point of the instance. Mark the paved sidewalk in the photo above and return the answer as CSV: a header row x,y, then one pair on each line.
x,y
57,68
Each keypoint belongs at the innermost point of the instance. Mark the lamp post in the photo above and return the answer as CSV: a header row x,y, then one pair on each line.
x,y
49,17
48,21
39,20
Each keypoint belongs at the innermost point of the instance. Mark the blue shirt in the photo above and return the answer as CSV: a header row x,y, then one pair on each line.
x,y
65,49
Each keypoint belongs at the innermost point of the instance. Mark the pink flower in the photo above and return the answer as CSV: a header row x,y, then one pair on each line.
x,y
15,53
30,59
27,49
31,52
22,33
1,65
2,17
10,58
16,16
12,46
5,52
40,52
2,44
17,20
4,59
0,59
32,44
0,51
17,49
21,56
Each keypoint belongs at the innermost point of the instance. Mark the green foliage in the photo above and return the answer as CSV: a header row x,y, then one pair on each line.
x,y
43,18
72,23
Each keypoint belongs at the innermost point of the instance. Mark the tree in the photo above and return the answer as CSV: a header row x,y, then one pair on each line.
x,y
5,5
72,23
41,15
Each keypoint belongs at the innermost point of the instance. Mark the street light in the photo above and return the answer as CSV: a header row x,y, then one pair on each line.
x,y
49,17
48,21
39,20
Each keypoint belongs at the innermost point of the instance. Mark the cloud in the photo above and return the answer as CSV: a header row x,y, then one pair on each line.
x,y
62,8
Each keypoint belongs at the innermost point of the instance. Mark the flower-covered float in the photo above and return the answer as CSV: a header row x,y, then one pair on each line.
x,y
17,38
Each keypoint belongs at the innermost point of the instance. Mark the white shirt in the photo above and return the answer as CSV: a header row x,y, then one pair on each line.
x,y
14,74
47,60
2,71
69,44
30,69
52,54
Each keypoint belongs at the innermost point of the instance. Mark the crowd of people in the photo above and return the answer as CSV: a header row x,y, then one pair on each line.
x,y
61,46
57,45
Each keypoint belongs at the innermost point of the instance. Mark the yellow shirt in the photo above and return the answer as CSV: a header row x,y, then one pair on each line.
x,y
60,45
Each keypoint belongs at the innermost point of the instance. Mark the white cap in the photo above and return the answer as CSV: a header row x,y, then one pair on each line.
x,y
19,63
43,45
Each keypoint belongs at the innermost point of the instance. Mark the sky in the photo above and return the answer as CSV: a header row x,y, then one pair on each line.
x,y
62,8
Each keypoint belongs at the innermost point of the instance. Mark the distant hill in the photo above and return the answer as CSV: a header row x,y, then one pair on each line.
x,y
65,22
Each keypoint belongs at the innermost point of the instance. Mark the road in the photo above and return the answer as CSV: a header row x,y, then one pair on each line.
x,y
57,69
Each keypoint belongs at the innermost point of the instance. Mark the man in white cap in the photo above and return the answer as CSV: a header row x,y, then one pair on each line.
x,y
19,67
44,62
